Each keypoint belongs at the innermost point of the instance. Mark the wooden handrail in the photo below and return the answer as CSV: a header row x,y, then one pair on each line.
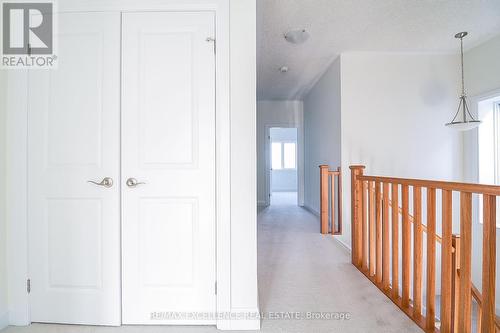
x,y
443,185
476,294
393,225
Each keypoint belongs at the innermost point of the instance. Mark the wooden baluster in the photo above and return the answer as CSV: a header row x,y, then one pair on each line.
x,y
479,319
395,241
464,294
455,281
378,227
386,259
431,260
364,227
332,202
359,230
406,248
371,220
489,263
339,196
323,185
417,251
446,261
356,230
354,217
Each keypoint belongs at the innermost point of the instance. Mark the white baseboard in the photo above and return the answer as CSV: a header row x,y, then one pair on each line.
x,y
4,320
311,210
344,245
315,212
241,320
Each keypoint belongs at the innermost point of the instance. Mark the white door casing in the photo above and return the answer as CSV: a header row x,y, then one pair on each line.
x,y
73,137
168,143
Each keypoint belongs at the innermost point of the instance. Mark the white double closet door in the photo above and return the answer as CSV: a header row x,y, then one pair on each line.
x,y
131,107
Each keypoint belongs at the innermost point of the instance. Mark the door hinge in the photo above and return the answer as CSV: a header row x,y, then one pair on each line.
x,y
215,287
28,286
211,39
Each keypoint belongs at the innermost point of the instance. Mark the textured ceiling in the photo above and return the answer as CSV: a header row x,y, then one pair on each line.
x,y
338,26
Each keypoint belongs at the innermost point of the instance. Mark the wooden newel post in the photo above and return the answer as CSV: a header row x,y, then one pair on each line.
x,y
323,188
356,213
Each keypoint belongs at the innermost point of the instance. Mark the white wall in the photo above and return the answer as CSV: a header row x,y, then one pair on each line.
x,y
482,80
482,67
277,114
3,268
284,180
482,75
322,131
244,293
394,107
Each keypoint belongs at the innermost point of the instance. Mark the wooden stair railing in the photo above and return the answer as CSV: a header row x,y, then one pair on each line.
x,y
476,294
327,200
411,219
375,242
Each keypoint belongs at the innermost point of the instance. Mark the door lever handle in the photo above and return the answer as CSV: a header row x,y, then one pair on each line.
x,y
132,182
106,182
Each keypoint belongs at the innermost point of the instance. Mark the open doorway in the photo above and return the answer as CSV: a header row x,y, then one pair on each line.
x,y
283,175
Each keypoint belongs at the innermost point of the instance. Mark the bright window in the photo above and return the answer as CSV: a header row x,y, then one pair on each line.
x,y
489,148
276,156
489,145
283,155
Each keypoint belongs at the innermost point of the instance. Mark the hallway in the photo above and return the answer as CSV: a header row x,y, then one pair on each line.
x,y
300,271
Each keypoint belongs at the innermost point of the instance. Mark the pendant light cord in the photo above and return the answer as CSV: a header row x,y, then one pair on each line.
x,y
462,63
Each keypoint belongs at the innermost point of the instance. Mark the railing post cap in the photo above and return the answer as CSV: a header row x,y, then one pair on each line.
x,y
323,166
354,167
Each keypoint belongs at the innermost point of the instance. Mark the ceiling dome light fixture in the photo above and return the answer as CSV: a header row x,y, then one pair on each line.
x,y
467,121
297,36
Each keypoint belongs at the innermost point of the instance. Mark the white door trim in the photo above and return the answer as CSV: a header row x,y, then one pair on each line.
x,y
300,159
16,155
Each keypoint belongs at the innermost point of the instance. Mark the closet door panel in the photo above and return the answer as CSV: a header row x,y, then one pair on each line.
x,y
73,137
168,143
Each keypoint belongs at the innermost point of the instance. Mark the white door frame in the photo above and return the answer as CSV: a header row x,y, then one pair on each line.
x,y
300,159
16,155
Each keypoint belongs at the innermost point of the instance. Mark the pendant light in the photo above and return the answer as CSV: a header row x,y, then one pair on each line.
x,y
463,119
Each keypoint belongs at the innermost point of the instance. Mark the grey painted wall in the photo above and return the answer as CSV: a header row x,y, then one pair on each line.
x,y
321,131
